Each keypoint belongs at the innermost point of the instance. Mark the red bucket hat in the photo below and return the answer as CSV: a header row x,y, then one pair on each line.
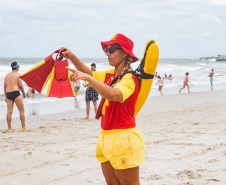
x,y
124,42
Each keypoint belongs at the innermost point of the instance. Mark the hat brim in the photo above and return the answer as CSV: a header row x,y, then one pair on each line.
x,y
17,65
105,45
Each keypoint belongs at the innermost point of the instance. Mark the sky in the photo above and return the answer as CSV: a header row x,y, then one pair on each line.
x,y
182,28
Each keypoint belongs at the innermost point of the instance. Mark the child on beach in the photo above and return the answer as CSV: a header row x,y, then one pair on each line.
x,y
186,80
160,82
211,78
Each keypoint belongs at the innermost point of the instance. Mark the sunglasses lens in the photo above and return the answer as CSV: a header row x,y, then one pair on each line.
x,y
110,50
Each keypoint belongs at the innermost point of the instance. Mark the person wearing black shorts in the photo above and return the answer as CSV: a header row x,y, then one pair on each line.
x,y
91,95
12,85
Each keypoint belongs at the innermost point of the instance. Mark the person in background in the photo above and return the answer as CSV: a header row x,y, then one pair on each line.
x,y
165,77
211,78
160,82
186,80
170,77
28,93
120,147
91,95
31,93
12,85
156,74
76,87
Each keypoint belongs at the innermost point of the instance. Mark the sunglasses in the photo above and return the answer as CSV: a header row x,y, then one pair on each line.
x,y
111,49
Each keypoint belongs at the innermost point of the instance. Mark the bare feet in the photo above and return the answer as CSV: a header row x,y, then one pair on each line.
x,y
180,92
86,118
25,129
10,130
189,92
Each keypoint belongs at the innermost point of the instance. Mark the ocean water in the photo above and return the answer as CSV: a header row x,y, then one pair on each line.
x,y
198,69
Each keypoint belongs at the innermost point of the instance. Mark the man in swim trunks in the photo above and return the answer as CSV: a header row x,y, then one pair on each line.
x,y
12,85
211,78
91,95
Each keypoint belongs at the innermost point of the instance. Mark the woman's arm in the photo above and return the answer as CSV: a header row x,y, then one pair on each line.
x,y
109,93
77,63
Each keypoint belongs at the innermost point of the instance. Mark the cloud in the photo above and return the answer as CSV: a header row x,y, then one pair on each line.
x,y
29,27
211,18
206,34
218,2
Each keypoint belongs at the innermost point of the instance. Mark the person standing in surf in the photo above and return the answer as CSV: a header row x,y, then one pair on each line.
x,y
186,80
160,82
120,147
12,85
211,78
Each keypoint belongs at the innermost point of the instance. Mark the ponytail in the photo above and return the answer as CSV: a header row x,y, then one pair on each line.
x,y
129,60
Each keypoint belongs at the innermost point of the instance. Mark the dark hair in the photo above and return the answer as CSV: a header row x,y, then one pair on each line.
x,y
13,64
159,77
186,73
129,60
212,69
93,65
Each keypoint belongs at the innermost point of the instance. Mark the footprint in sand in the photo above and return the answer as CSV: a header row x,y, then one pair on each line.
x,y
155,177
188,174
212,161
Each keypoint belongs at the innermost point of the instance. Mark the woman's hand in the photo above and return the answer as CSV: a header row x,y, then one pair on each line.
x,y
78,75
68,53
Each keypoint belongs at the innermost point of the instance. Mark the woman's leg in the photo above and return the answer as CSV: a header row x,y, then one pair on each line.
x,y
188,89
109,174
113,176
160,89
182,88
128,176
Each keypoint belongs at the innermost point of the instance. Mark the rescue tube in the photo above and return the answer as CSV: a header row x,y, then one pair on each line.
x,y
150,57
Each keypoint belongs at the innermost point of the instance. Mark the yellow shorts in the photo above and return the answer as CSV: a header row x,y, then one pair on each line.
x,y
123,148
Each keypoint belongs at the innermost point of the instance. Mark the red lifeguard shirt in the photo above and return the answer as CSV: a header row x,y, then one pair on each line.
x,y
119,115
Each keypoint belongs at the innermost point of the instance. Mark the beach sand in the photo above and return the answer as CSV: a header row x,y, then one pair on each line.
x,y
185,137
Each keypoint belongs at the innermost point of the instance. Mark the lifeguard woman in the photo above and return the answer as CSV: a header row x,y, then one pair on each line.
x,y
120,146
